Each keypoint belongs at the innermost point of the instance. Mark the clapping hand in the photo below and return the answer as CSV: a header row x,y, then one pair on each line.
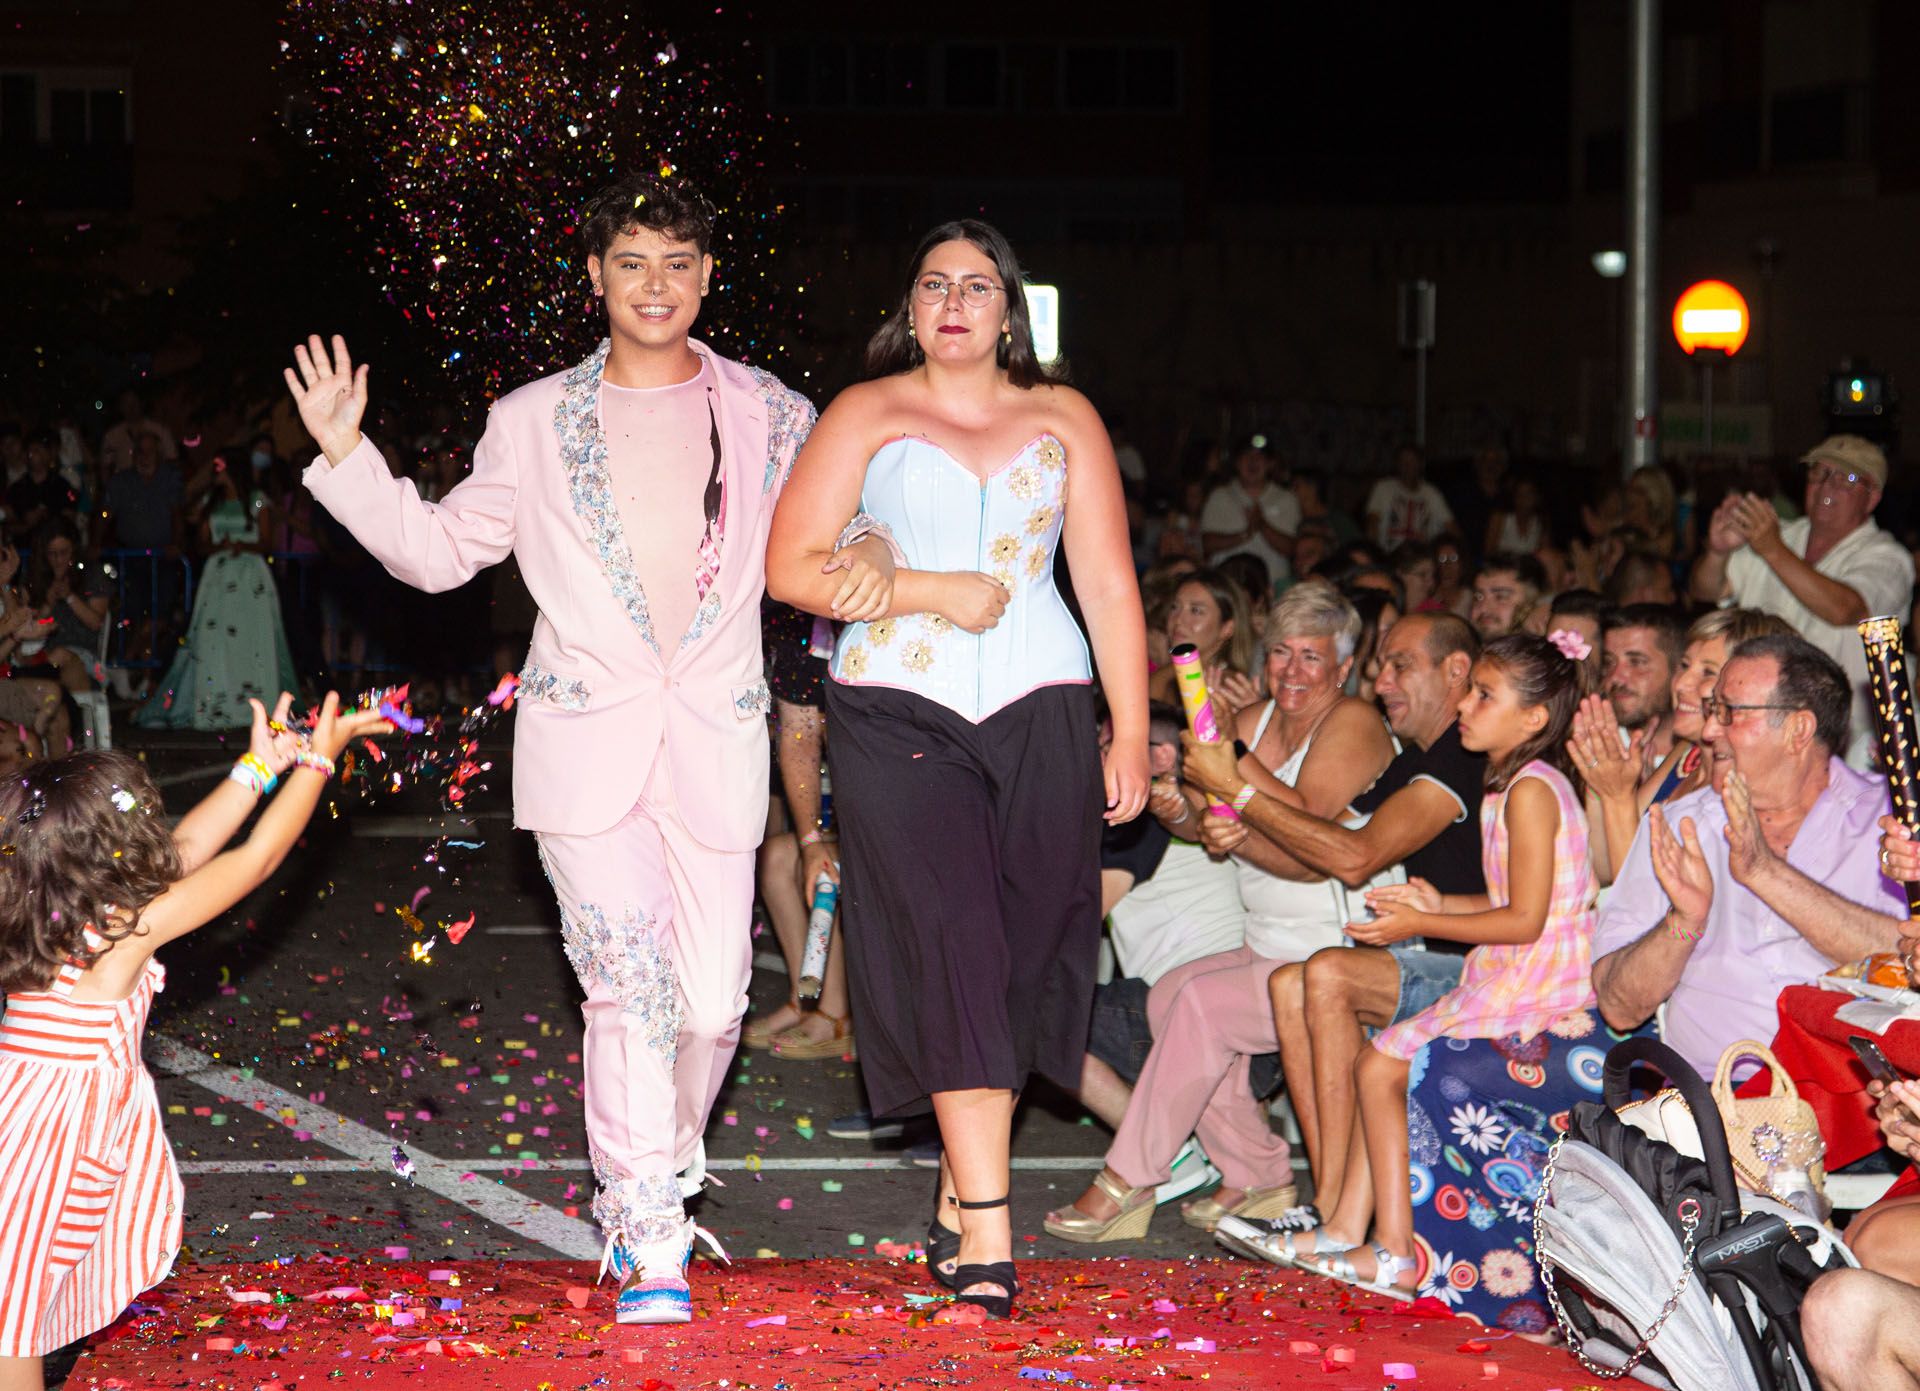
x,y
1681,868
1724,532
1609,770
1748,854
331,394
1759,524
1232,692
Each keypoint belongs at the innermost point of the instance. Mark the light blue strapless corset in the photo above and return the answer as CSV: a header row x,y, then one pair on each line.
x,y
945,518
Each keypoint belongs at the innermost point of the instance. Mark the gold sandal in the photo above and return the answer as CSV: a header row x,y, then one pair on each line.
x,y
1205,1213
758,1036
1129,1224
794,1046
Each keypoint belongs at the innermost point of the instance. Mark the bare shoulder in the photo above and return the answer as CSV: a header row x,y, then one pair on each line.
x,y
1069,414
1353,723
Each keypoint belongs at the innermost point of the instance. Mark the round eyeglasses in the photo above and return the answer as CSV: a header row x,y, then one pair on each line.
x,y
975,292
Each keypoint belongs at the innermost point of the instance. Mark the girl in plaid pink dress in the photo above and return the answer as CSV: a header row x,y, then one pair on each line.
x,y
1532,934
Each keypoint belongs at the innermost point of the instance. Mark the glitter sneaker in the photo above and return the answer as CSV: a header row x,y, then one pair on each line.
x,y
655,1290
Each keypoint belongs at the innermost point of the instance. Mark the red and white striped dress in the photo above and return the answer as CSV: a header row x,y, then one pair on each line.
x,y
90,1199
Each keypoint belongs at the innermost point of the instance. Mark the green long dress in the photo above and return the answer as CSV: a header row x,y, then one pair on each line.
x,y
235,646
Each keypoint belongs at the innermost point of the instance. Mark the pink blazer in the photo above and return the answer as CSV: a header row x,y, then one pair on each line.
x,y
598,698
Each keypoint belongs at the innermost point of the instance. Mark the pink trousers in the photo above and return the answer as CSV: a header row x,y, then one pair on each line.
x,y
1209,1017
656,926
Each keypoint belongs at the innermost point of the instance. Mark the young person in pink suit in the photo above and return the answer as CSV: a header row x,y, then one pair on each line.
x,y
962,734
634,490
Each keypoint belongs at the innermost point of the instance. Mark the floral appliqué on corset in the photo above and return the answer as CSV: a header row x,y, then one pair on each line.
x,y
917,656
880,632
1023,481
853,662
1051,454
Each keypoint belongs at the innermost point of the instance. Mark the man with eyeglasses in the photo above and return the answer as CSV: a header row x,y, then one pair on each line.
x,y
1822,573
1768,877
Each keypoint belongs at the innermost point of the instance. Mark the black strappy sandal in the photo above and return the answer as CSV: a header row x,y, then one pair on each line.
x,y
999,1273
943,1245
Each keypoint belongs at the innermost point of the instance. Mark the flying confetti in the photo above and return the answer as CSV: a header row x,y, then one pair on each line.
x,y
475,133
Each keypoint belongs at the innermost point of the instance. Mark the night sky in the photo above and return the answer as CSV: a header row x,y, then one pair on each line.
x,y
1367,101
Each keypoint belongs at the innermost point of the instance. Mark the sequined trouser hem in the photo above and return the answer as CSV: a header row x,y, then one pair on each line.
x,y
655,925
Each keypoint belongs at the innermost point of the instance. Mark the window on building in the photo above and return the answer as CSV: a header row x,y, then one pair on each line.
x,y
973,76
1093,78
1151,78
1810,126
889,76
19,100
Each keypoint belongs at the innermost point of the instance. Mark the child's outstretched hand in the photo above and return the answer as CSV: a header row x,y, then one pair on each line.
x,y
272,741
333,731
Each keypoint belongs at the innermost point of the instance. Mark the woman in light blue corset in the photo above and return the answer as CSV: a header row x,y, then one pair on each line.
x,y
967,777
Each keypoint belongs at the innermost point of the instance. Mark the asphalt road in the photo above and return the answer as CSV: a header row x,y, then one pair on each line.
x,y
299,1042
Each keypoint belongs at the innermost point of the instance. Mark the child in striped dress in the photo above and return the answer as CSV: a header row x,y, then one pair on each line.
x,y
91,883
1532,934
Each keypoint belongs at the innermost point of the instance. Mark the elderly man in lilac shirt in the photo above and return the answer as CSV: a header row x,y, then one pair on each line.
x,y
1774,876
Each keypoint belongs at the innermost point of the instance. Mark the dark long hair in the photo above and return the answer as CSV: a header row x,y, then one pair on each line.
x,y
1540,674
78,836
893,347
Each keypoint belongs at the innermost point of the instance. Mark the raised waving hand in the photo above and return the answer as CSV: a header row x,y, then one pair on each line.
x,y
331,394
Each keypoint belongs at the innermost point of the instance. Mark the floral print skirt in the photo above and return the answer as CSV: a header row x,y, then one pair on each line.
x,y
1481,1115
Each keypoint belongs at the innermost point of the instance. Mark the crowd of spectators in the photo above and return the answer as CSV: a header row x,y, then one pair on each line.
x,y
113,532
1679,655
1687,652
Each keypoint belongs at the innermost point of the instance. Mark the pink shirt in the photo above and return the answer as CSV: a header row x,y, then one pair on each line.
x,y
659,457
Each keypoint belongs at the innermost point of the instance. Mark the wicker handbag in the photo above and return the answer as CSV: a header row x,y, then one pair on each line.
x,y
1774,1139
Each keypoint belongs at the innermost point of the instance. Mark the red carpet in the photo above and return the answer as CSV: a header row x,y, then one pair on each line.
x,y
768,1324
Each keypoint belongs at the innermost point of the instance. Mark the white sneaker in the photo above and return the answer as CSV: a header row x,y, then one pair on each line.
x,y
1192,1170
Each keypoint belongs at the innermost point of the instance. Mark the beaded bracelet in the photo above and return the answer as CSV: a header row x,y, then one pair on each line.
x,y
319,762
815,837
252,773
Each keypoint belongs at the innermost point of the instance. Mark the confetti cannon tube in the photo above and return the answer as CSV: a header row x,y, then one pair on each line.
x,y
813,958
1190,678
1893,720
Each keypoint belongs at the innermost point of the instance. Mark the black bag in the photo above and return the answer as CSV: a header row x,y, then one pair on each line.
x,y
1751,1252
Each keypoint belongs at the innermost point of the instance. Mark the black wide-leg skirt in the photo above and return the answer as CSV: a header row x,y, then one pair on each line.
x,y
970,888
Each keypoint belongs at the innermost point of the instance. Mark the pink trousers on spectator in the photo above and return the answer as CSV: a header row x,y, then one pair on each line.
x,y
656,926
1208,1018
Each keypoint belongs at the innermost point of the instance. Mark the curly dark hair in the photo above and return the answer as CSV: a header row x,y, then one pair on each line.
x,y
83,841
892,347
672,207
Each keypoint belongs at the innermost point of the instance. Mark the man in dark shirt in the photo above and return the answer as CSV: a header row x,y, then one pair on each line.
x,y
1423,813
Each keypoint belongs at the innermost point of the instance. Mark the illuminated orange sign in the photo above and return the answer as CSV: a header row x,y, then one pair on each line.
x,y
1711,314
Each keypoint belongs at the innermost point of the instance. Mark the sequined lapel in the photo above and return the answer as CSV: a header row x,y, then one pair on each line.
x,y
583,453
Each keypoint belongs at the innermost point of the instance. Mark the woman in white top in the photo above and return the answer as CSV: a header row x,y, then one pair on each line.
x,y
1315,748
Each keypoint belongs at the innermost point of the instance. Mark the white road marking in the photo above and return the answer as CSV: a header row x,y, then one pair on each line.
x,y
536,1221
824,1164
